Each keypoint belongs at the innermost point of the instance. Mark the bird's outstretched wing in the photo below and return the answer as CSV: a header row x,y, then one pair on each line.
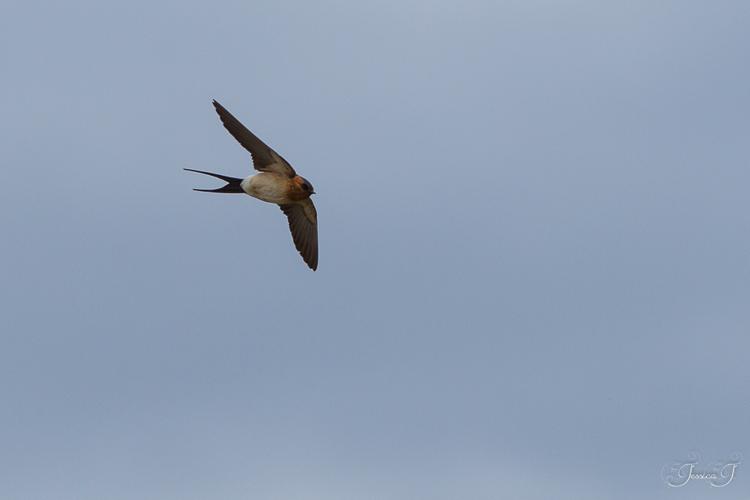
x,y
265,159
303,223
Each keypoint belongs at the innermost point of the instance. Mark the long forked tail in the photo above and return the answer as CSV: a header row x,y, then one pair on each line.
x,y
233,185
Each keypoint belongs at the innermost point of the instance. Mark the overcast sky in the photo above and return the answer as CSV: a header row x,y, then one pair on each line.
x,y
534,250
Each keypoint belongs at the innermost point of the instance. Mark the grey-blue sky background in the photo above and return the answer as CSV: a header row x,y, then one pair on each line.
x,y
534,239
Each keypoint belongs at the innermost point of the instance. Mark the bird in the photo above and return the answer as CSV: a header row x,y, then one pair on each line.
x,y
276,182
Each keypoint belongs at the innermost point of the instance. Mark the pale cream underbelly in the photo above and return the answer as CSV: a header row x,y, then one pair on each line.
x,y
267,186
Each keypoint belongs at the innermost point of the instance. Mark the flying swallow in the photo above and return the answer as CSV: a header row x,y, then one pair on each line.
x,y
276,182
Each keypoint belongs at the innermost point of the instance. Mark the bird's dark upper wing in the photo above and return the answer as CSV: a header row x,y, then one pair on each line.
x,y
265,159
303,223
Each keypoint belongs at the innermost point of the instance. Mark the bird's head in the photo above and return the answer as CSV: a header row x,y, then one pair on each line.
x,y
305,185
